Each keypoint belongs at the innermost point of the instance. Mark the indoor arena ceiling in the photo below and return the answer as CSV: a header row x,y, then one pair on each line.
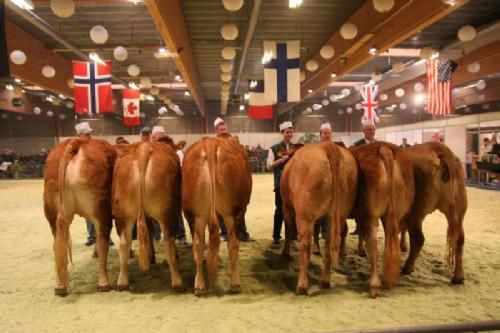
x,y
191,31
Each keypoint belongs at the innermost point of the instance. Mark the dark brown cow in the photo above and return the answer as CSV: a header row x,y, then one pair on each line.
x,y
78,175
319,181
147,182
216,184
439,184
385,191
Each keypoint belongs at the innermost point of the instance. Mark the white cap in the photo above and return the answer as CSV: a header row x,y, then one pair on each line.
x,y
218,121
158,129
286,124
325,126
83,128
367,122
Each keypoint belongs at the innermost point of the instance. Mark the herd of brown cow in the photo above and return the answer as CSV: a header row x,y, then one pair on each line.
x,y
128,183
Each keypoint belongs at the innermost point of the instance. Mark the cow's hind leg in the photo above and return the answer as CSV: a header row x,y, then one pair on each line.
x,y
103,229
305,229
61,254
455,245
125,234
198,249
233,246
417,239
369,233
171,253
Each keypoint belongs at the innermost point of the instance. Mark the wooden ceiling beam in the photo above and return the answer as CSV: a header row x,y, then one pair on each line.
x,y
37,56
169,19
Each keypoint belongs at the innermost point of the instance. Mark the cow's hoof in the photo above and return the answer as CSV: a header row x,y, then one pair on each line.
x,y
103,287
362,253
286,256
455,280
178,288
94,254
131,254
406,270
61,291
324,284
198,292
235,289
301,291
374,292
404,248
122,287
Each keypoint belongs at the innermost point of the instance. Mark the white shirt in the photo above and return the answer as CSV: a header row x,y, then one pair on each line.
x,y
271,158
181,155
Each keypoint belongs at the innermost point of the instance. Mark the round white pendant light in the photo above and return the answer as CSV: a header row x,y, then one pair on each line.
x,y
358,106
312,65
481,84
302,76
99,34
466,33
133,70
48,71
426,53
225,77
327,52
376,77
120,53
403,106
232,5
398,66
50,114
383,6
37,110
383,97
225,86
473,67
229,31
325,102
146,82
346,92
18,57
348,31
341,112
63,8
70,104
419,87
228,53
154,90
399,92
226,67
70,83
333,98
62,116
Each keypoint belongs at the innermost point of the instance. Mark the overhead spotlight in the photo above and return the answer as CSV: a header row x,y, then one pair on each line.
x,y
333,75
177,78
373,50
268,55
186,93
253,84
9,87
23,4
242,107
62,96
450,2
294,3
419,99
246,96
310,90
17,80
162,49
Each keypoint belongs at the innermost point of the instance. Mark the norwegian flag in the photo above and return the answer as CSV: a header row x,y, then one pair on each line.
x,y
369,93
92,90
439,100
131,107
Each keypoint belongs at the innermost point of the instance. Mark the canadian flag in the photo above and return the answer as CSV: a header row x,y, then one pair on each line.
x,y
131,107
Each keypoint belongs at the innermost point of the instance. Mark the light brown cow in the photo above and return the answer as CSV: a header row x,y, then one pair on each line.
x,y
385,191
77,177
439,184
147,182
216,183
319,181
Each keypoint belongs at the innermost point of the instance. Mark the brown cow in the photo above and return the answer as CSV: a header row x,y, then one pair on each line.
x,y
319,181
78,175
385,191
439,184
147,182
216,184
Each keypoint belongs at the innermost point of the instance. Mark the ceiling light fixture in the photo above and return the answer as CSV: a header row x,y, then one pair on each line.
x,y
242,107
23,4
9,87
373,50
162,49
267,57
186,93
246,96
17,80
95,57
333,75
294,3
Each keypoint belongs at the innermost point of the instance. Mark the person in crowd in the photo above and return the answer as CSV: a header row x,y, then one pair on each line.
x,y
6,160
221,131
145,134
84,131
495,147
276,163
405,144
368,131
121,141
486,147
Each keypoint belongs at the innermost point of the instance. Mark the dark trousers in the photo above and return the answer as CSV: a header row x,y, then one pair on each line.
x,y
278,215
322,226
181,230
90,231
223,230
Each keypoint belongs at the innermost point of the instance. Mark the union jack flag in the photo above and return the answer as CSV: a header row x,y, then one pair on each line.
x,y
369,93
439,98
92,90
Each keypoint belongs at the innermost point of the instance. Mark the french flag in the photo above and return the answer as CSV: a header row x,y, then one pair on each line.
x,y
259,107
92,90
282,71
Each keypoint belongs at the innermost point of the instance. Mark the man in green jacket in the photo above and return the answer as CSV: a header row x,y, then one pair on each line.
x,y
276,162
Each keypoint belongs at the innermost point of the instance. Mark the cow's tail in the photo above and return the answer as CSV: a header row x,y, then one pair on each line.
x,y
391,249
448,175
211,149
335,227
143,155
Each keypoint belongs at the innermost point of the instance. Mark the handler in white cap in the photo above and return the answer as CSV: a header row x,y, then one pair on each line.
x,y
157,133
220,127
368,131
325,132
276,163
83,130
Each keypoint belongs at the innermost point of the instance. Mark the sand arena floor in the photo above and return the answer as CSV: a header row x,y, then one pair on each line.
x,y
267,302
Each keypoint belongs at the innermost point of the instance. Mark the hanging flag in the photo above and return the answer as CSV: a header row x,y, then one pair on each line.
x,y
92,90
439,97
282,71
369,93
131,107
259,107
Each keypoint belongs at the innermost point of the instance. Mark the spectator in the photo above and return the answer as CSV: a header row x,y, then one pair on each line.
x,y
145,134
405,144
368,131
121,141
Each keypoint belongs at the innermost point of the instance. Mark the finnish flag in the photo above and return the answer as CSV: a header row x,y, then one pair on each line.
x,y
282,71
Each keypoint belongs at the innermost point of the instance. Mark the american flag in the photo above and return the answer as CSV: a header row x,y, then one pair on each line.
x,y
439,86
